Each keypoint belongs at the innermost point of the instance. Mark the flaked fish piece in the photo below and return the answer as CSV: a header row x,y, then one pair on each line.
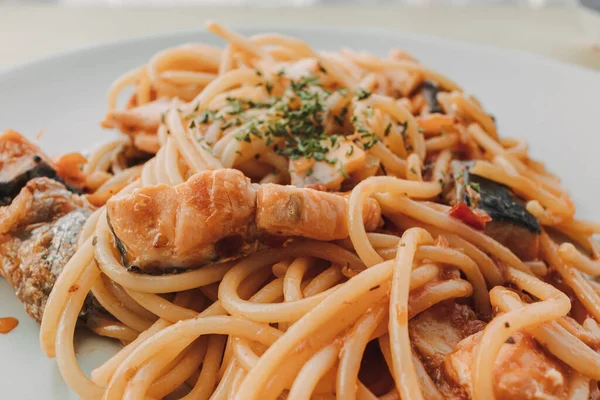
x,y
202,220
220,215
522,370
20,161
145,118
141,123
38,235
436,331
446,337
344,159
292,211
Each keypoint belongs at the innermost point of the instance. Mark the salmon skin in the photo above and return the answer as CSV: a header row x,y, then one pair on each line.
x,y
511,224
430,90
20,162
38,236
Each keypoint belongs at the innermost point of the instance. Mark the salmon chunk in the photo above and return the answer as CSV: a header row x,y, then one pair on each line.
x,y
144,118
292,211
523,370
200,221
220,215
436,331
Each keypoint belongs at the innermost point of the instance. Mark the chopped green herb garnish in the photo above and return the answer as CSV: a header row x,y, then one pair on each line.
x,y
237,122
343,171
475,186
388,128
412,170
293,124
208,149
371,141
322,69
227,125
301,84
350,150
335,143
404,126
244,137
309,172
207,116
331,161
236,105
362,94
193,124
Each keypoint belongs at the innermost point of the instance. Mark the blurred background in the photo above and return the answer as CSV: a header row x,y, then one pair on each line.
x,y
299,3
565,30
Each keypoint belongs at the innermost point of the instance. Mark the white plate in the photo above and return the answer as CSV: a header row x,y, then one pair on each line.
x,y
553,106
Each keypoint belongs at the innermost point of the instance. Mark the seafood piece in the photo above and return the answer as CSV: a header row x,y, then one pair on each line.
x,y
523,370
220,215
435,333
145,118
430,90
511,224
38,235
141,123
342,160
20,161
446,336
208,218
292,211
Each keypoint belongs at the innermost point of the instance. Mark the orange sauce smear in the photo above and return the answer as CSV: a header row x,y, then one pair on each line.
x,y
7,324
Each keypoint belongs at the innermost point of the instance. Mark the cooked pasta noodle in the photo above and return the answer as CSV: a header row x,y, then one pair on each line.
x,y
409,244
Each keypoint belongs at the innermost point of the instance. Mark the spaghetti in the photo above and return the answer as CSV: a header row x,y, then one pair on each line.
x,y
349,318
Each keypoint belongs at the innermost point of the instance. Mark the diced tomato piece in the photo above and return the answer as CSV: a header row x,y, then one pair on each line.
x,y
467,215
69,167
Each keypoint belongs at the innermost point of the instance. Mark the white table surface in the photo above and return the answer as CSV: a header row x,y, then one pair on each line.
x,y
27,33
